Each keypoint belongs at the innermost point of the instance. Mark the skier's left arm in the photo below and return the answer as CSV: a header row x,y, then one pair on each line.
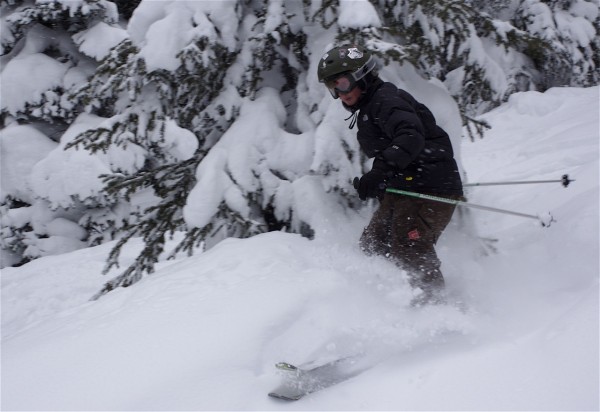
x,y
405,132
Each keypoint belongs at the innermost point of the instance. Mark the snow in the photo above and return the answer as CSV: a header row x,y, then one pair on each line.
x,y
239,158
580,29
179,143
274,16
163,29
520,331
21,147
586,9
24,79
97,41
67,174
357,14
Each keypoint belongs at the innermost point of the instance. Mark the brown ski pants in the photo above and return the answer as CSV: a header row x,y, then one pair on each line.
x,y
405,229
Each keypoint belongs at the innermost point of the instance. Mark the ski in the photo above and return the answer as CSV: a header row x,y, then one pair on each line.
x,y
301,381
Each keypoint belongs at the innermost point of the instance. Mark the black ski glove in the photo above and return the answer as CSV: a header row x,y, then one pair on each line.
x,y
371,184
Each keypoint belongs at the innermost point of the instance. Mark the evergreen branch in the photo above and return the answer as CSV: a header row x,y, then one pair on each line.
x,y
172,183
326,14
54,14
480,126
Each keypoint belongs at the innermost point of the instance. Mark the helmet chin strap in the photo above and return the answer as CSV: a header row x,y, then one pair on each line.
x,y
353,116
363,84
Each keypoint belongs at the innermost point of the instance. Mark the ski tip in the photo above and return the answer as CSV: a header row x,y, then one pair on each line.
x,y
286,366
285,397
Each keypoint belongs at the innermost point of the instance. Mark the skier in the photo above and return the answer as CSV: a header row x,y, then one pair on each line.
x,y
411,153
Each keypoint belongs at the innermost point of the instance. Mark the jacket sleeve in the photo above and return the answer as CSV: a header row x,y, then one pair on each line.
x,y
402,126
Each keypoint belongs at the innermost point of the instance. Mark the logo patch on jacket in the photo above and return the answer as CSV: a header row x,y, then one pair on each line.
x,y
414,234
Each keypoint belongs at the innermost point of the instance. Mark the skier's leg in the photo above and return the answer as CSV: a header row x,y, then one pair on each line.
x,y
375,239
417,225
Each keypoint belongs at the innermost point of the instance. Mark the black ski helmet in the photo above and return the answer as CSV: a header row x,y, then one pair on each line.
x,y
352,59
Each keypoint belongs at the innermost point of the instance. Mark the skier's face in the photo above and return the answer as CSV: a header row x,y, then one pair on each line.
x,y
352,97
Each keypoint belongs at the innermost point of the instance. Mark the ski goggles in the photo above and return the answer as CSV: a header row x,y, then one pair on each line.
x,y
341,85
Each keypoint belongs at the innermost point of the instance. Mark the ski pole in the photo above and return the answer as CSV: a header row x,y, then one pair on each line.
x,y
564,180
545,220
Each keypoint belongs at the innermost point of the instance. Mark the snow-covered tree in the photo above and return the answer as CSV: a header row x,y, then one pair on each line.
x,y
205,81
158,95
566,48
486,50
46,53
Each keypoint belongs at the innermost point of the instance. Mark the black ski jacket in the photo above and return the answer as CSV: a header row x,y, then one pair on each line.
x,y
401,133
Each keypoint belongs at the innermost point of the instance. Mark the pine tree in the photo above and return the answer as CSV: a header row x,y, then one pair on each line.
x,y
39,40
201,92
566,46
46,28
154,111
185,94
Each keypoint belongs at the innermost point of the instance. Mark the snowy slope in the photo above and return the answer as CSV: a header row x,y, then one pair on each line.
x,y
203,333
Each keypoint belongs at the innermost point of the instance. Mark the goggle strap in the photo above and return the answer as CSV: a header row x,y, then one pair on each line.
x,y
364,69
